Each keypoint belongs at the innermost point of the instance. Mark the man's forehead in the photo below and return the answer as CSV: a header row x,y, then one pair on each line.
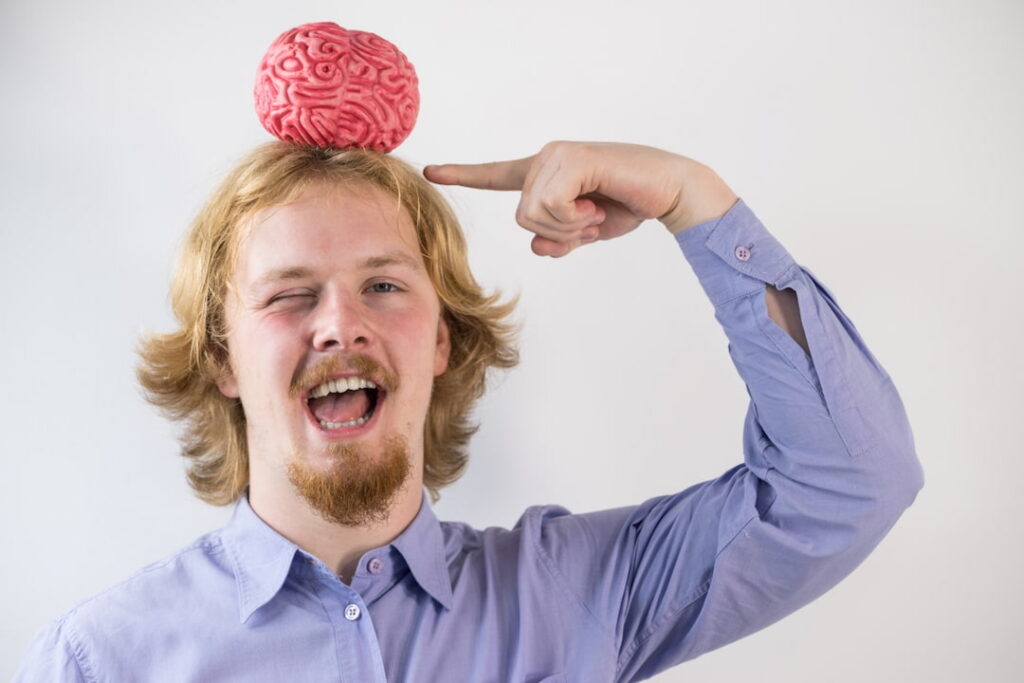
x,y
377,212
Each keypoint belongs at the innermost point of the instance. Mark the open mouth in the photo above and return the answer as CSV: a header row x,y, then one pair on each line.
x,y
344,405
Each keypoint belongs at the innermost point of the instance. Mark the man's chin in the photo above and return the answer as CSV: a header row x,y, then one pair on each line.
x,y
354,489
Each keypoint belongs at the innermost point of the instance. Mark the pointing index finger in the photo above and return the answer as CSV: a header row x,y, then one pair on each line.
x,y
494,175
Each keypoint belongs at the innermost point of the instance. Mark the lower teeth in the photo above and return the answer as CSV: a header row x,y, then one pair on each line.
x,y
338,425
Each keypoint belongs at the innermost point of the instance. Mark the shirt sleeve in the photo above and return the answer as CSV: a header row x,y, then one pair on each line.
x,y
51,658
829,465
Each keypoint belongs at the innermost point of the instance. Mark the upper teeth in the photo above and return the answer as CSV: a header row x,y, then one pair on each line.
x,y
342,385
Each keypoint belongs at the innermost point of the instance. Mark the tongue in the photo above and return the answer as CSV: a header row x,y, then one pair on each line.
x,y
345,407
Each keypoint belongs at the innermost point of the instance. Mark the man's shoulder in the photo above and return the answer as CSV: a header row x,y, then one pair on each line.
x,y
536,522
559,535
143,614
165,585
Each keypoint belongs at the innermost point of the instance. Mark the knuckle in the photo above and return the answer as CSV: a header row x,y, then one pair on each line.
x,y
555,147
490,170
550,205
521,216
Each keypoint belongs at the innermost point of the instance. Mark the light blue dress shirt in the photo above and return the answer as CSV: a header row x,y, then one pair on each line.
x,y
614,595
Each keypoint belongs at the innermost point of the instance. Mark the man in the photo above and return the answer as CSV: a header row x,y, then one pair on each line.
x,y
332,343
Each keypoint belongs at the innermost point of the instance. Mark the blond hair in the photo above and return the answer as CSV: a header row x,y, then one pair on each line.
x,y
178,370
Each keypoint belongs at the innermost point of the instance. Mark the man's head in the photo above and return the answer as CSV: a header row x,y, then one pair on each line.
x,y
386,294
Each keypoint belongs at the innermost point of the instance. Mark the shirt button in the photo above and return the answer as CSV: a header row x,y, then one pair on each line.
x,y
375,565
352,612
742,253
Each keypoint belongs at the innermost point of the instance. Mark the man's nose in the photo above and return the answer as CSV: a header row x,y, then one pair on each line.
x,y
340,322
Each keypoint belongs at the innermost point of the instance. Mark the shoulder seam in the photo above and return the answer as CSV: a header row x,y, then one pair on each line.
x,y
78,652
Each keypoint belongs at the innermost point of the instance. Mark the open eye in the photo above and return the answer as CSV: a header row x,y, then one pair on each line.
x,y
383,287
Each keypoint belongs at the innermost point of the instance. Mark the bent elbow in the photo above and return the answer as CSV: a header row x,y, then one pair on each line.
x,y
897,479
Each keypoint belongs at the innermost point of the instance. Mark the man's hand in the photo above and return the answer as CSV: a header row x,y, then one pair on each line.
x,y
576,192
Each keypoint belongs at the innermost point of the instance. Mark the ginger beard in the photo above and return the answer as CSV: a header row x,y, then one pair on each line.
x,y
355,489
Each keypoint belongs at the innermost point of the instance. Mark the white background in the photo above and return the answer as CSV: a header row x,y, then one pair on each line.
x,y
879,141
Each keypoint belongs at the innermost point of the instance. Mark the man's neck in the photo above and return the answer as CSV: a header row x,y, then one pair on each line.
x,y
337,546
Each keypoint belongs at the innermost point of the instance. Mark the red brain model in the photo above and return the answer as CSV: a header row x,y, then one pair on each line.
x,y
325,86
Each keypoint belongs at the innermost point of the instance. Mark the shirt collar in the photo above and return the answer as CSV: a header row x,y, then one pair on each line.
x,y
423,547
262,558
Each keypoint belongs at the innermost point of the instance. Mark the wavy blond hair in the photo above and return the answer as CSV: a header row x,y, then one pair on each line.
x,y
178,370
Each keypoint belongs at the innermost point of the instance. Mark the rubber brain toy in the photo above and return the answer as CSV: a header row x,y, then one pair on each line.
x,y
324,86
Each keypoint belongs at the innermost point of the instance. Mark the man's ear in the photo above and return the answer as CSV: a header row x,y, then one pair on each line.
x,y
220,355
226,381
444,347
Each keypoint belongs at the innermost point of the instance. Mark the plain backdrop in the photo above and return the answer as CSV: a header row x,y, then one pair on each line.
x,y
879,141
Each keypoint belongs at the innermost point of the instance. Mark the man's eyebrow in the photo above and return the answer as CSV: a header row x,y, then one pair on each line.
x,y
289,273
395,258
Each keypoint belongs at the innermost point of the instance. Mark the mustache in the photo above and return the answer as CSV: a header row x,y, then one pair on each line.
x,y
361,363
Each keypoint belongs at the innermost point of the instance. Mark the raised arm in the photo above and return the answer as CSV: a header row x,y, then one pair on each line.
x,y
828,465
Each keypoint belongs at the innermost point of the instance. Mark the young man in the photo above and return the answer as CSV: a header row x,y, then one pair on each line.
x,y
332,343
